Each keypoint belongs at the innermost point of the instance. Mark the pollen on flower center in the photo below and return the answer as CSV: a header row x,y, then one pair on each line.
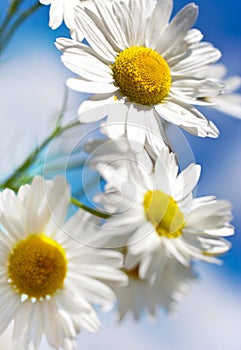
x,y
142,75
163,212
134,273
37,266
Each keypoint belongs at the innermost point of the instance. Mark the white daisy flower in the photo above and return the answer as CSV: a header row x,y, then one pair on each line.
x,y
141,296
158,218
141,66
49,281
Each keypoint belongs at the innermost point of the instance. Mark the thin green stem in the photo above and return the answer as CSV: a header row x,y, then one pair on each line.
x,y
19,171
90,210
24,15
64,106
11,12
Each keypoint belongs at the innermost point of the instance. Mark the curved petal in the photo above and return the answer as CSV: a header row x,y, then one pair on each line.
x,y
158,21
187,117
91,87
56,13
177,29
186,181
136,128
166,170
209,215
95,33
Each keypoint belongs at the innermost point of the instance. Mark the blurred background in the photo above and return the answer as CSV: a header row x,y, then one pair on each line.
x,y
32,87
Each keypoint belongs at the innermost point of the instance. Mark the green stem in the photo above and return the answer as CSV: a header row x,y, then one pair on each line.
x,y
90,210
11,11
64,106
17,23
9,182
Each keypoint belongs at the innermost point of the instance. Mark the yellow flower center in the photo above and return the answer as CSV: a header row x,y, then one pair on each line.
x,y
37,266
163,212
134,273
142,75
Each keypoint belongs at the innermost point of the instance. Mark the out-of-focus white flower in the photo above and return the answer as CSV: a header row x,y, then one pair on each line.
x,y
156,216
229,101
140,66
141,296
50,281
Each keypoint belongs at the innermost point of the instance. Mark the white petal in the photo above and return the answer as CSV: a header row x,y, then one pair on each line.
x,y
57,202
103,272
155,134
21,322
100,106
136,129
92,87
56,13
124,18
193,36
158,21
228,104
86,65
89,321
177,29
202,55
190,90
138,22
208,243
165,171
187,117
52,327
116,123
115,31
139,171
95,33
186,181
8,310
95,291
103,257
36,205
45,2
69,14
209,215
174,247
140,244
35,322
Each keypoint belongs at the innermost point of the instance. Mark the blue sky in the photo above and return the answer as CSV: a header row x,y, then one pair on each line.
x,y
32,83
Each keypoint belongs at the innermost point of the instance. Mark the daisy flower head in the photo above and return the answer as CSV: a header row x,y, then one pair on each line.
x,y
141,67
49,282
163,219
140,296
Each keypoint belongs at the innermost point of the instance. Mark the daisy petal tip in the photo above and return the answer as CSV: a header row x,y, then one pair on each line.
x,y
213,132
194,6
125,281
198,169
